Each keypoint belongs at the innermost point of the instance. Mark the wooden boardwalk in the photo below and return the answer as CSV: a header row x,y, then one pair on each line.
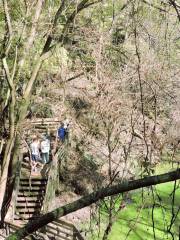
x,y
30,193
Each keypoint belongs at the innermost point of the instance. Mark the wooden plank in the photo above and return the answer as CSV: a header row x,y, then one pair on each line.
x,y
40,127
42,119
28,212
33,183
59,236
3,236
29,197
12,224
31,194
76,234
26,216
29,204
64,223
32,187
32,180
31,190
61,228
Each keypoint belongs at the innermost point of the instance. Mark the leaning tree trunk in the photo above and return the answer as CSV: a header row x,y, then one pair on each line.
x,y
12,135
4,176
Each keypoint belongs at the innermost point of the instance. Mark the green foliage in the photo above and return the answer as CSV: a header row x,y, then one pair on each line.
x,y
118,36
79,104
142,208
43,110
17,9
136,219
89,162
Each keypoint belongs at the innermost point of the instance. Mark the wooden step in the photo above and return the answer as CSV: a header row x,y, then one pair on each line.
x,y
29,204
33,184
32,180
31,194
60,229
59,236
27,207
27,211
34,193
29,198
31,190
26,215
63,224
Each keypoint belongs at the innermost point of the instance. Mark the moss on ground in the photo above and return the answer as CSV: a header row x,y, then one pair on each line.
x,y
135,221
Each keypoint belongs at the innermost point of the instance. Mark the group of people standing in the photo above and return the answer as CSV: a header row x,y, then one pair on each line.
x,y
40,148
39,151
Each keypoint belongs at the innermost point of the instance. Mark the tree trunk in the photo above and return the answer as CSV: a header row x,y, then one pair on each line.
x,y
12,135
4,176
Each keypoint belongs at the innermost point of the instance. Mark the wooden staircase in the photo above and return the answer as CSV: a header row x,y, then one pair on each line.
x,y
30,198
30,192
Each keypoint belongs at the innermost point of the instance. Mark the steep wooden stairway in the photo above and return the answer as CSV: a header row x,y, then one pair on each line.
x,y
30,198
30,194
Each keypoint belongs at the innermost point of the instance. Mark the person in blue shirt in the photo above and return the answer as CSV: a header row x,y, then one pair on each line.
x,y
62,133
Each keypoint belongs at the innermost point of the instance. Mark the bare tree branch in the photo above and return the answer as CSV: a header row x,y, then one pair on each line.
x,y
8,35
173,3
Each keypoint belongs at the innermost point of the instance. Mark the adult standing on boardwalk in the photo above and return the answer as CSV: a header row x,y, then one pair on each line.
x,y
63,131
66,127
35,153
45,149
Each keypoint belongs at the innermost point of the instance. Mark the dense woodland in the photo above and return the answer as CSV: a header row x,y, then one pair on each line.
x,y
112,68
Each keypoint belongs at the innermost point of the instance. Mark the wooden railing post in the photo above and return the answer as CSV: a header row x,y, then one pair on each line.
x,y
76,234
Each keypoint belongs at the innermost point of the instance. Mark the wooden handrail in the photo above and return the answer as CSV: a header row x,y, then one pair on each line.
x,y
76,234
43,120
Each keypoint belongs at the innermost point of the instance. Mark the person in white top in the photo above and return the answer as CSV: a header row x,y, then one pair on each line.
x,y
35,153
66,123
66,127
45,149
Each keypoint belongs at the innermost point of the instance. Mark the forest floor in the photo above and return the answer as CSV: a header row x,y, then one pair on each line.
x,y
77,217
